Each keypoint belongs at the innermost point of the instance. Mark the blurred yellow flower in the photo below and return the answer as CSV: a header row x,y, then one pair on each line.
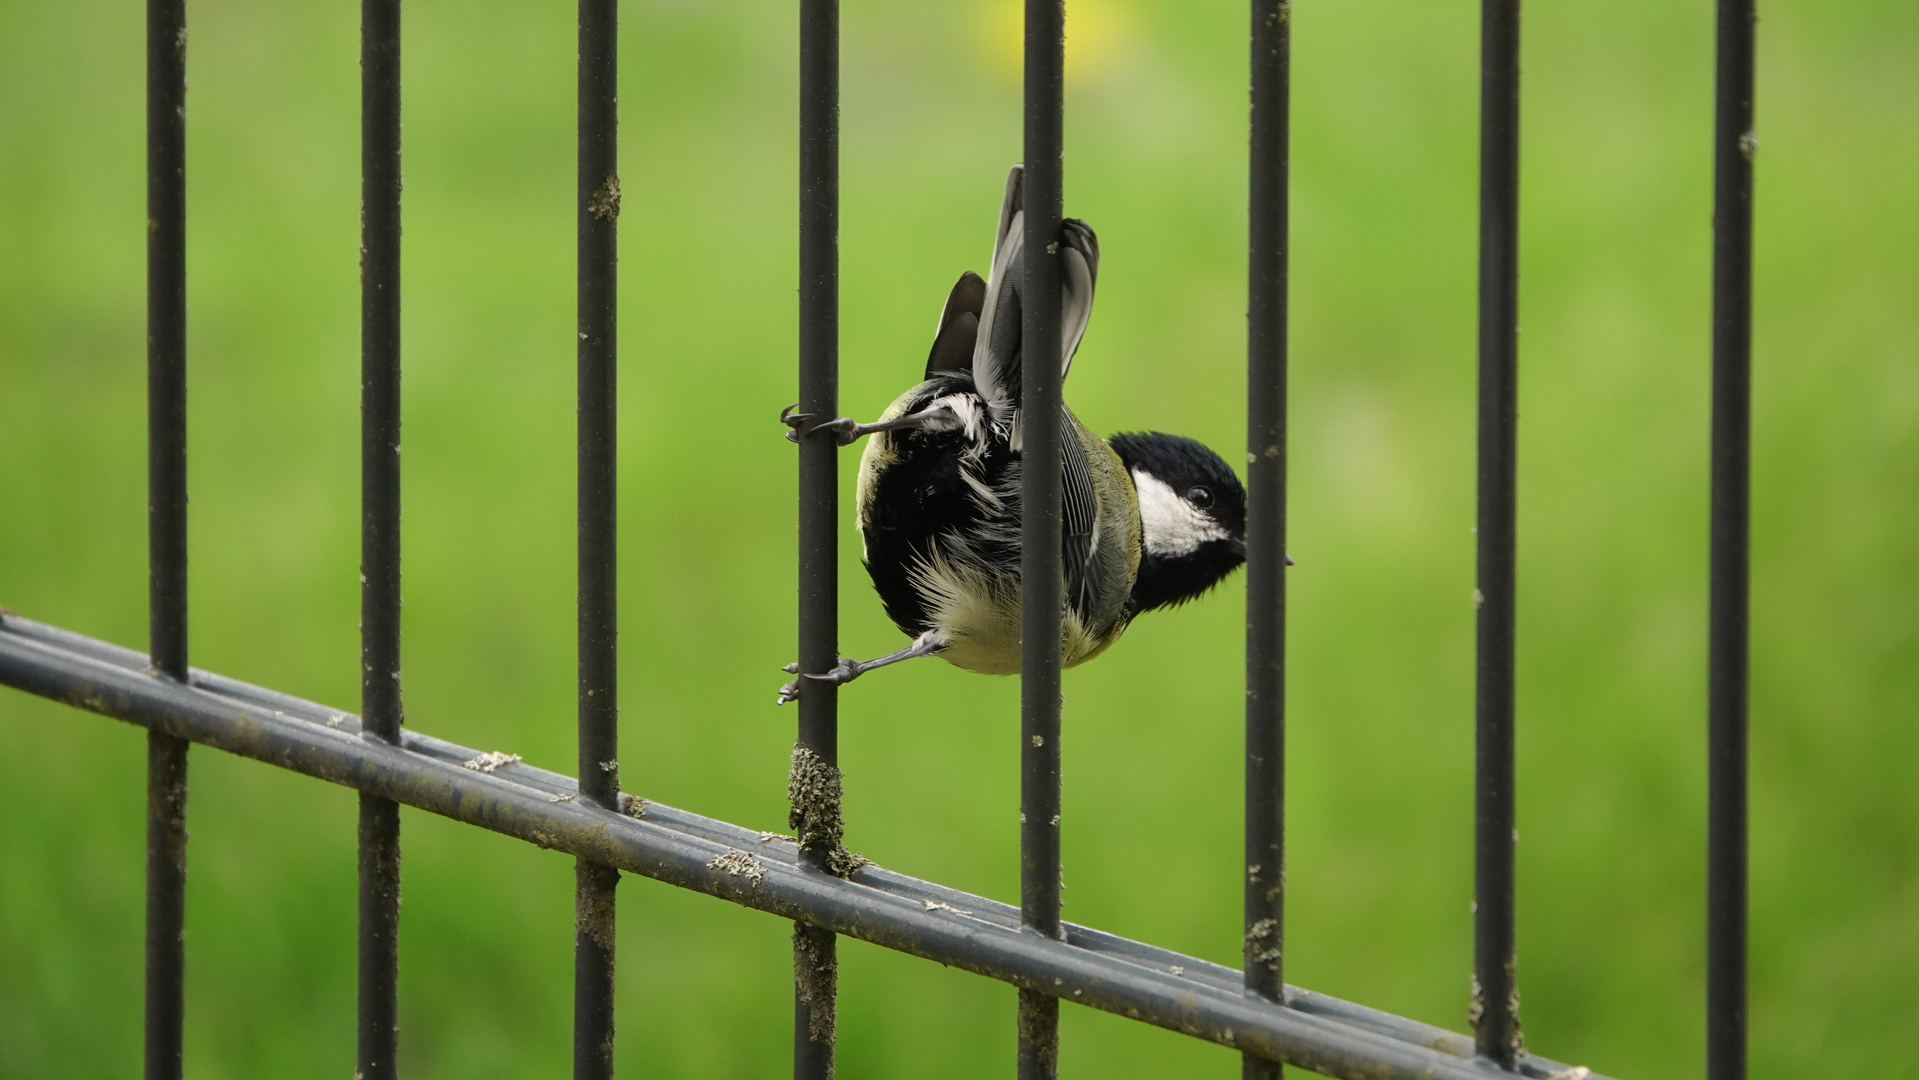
x,y
1098,34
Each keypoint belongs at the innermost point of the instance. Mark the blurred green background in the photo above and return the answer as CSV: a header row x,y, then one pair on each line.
x,y
1616,182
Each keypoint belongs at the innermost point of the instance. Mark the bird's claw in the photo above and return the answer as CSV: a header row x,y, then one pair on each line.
x,y
791,691
843,672
793,420
845,429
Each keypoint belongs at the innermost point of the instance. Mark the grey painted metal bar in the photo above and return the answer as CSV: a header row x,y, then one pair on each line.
x,y
815,949
166,526
1040,525
379,525
1734,145
1157,986
1266,243
1202,999
598,211
1495,1006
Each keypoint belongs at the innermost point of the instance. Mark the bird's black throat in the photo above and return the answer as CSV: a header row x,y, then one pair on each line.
x,y
1168,581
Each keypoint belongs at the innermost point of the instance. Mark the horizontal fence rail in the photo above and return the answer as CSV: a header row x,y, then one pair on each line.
x,y
754,869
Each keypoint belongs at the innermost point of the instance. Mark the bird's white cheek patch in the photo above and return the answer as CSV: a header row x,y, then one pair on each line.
x,y
1169,524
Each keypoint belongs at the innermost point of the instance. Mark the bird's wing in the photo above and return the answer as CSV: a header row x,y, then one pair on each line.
x,y
1079,527
959,327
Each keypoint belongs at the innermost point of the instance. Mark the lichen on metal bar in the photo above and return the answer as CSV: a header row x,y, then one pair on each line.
x,y
814,789
816,976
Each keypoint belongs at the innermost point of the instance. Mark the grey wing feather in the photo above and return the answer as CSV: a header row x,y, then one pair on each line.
x,y
1079,270
1079,532
1010,204
996,352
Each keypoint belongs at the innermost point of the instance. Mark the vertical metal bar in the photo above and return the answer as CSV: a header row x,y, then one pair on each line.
x,y
1041,588
594,923
1733,148
379,937
815,951
815,990
1495,993
167,336
379,523
598,213
166,903
166,524
1266,511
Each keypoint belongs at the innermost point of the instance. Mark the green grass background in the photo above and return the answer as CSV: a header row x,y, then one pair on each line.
x,y
1616,183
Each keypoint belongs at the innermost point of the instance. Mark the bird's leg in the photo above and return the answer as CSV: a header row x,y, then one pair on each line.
x,y
846,430
928,644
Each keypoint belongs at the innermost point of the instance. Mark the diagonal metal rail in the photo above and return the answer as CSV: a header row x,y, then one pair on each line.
x,y
757,870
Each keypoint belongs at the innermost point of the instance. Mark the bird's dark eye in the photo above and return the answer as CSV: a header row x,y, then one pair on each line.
x,y
1201,497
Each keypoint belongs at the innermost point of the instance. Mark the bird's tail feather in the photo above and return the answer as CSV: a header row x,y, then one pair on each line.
x,y
958,332
997,349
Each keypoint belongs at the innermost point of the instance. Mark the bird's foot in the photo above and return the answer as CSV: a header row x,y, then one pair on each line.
x,y
845,671
930,643
846,430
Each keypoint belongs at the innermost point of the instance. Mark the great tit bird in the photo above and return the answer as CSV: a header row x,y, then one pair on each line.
x,y
1149,520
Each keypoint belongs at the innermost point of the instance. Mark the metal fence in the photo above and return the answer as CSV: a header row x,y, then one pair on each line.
x,y
608,831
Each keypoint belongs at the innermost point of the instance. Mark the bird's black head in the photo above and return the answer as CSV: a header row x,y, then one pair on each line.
x,y
1192,515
